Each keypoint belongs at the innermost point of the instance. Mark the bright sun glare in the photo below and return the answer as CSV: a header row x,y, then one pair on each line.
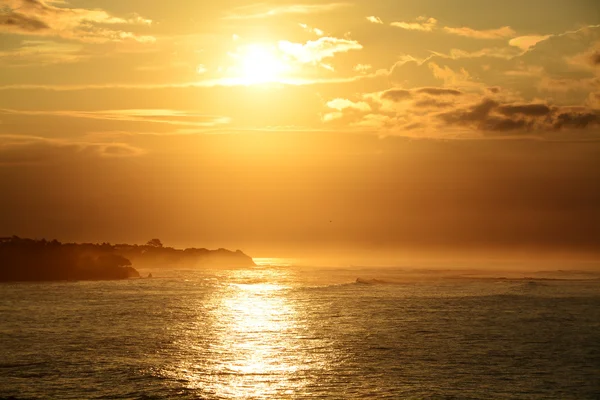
x,y
261,64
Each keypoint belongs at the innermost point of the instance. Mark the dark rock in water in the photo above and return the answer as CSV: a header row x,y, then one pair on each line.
x,y
150,275
534,284
370,281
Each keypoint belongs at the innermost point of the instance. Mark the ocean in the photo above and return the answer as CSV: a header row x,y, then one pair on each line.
x,y
285,332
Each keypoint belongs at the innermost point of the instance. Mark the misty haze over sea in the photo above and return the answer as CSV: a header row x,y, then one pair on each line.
x,y
278,332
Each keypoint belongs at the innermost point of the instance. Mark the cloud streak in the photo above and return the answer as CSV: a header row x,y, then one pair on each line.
x,y
25,150
266,11
425,24
170,117
41,52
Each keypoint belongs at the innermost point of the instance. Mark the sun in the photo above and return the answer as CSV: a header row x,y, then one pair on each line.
x,y
261,64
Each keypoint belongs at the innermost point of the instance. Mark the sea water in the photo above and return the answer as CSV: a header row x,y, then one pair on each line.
x,y
300,333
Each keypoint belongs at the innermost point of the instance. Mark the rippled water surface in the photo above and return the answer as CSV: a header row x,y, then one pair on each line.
x,y
286,332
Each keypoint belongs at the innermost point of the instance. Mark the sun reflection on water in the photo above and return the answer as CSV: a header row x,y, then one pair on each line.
x,y
255,347
253,320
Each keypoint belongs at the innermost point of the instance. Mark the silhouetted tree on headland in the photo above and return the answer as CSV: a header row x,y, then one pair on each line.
x,y
154,243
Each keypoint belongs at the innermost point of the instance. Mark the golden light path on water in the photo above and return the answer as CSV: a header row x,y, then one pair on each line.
x,y
259,342
255,320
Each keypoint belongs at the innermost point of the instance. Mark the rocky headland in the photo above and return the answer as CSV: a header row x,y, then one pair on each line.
x,y
42,260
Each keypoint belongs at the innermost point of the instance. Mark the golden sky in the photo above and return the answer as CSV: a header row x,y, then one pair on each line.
x,y
278,126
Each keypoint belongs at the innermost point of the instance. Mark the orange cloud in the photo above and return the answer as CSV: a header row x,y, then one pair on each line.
x,y
526,42
422,24
341,104
316,50
41,18
375,20
310,29
500,33
445,112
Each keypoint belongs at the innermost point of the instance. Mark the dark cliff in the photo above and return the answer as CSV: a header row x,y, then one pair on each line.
x,y
41,260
